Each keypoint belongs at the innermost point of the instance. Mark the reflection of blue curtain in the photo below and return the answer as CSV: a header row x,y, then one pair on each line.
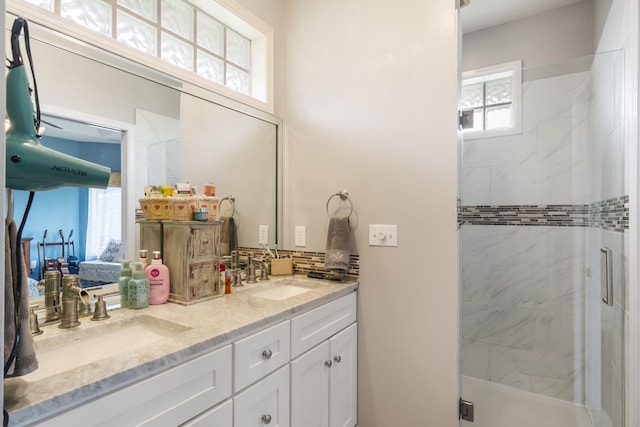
x,y
103,220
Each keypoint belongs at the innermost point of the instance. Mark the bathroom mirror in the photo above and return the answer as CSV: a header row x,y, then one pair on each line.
x,y
170,130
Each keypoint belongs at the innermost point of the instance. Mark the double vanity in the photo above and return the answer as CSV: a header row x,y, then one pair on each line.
x,y
278,353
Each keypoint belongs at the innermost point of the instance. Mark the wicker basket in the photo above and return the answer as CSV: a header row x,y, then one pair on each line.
x,y
182,208
155,208
210,204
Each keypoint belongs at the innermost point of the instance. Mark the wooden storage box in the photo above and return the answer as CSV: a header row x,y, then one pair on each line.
x,y
192,254
281,266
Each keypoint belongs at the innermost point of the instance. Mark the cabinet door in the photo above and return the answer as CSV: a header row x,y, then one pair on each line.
x,y
219,416
265,403
343,378
310,388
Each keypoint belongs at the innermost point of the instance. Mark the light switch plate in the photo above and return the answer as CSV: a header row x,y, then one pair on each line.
x,y
301,235
383,235
263,235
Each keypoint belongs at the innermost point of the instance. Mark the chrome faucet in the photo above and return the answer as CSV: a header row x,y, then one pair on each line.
x,y
71,295
251,269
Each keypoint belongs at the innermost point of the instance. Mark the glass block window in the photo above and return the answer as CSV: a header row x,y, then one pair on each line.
x,y
93,14
176,31
136,33
491,97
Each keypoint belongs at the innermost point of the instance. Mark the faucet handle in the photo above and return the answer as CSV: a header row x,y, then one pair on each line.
x,y
34,327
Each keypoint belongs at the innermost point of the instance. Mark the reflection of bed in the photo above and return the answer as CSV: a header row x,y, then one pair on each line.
x,y
106,269
96,272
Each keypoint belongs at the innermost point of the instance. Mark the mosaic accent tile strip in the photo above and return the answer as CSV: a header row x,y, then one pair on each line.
x,y
610,214
304,262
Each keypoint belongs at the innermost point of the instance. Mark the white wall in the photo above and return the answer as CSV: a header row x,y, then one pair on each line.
x,y
370,106
541,39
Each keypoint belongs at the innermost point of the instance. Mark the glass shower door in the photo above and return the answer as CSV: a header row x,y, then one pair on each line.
x,y
540,210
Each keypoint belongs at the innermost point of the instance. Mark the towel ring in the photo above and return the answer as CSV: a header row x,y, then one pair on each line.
x,y
230,200
344,195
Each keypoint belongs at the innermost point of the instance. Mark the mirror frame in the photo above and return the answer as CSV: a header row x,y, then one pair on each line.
x,y
50,29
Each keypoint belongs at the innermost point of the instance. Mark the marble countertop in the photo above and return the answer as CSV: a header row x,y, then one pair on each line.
x,y
202,327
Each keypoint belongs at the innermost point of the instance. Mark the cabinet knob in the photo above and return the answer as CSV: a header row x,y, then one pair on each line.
x,y
266,418
337,359
328,363
267,354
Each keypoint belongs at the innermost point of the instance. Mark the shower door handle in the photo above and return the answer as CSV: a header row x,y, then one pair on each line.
x,y
606,275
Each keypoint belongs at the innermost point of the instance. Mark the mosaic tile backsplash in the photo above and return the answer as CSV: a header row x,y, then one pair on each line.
x,y
304,262
611,214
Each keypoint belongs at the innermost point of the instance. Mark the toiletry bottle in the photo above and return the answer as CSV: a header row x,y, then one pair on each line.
x,y
223,269
123,283
158,276
143,258
138,288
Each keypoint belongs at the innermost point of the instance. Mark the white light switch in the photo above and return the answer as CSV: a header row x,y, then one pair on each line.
x,y
301,235
263,235
383,235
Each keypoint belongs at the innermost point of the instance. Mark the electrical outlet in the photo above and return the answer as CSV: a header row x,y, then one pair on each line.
x,y
301,235
263,235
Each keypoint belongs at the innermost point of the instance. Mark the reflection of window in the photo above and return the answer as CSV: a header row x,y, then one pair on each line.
x,y
492,97
104,219
179,33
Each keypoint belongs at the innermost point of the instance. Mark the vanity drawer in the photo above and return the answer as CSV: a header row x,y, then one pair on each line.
x,y
170,398
315,326
260,354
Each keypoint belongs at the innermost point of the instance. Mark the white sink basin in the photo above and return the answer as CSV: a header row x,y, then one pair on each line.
x,y
281,292
67,349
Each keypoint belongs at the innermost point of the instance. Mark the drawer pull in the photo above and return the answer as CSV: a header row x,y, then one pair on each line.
x,y
267,354
266,418
337,359
328,363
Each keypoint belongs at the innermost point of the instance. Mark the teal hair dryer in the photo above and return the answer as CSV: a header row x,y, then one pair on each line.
x,y
30,165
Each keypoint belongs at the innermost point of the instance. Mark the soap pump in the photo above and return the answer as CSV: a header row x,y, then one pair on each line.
x,y
158,276
143,258
138,288
123,283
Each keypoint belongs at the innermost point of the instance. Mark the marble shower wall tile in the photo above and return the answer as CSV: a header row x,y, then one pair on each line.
x,y
522,299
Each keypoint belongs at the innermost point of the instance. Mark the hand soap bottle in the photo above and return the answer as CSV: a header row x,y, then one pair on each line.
x,y
138,288
123,283
143,258
158,276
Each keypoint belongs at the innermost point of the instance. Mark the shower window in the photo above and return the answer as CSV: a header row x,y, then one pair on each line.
x,y
491,98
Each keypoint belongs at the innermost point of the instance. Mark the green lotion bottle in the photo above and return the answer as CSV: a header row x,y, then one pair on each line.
x,y
138,288
123,283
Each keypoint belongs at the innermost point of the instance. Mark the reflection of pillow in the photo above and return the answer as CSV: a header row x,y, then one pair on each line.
x,y
111,252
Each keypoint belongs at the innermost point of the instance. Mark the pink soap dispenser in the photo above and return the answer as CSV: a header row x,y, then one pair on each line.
x,y
158,275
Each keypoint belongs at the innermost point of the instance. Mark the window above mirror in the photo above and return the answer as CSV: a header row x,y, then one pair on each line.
x,y
219,46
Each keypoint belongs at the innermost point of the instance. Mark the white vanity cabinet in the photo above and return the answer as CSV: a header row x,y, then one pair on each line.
x,y
324,377
300,372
